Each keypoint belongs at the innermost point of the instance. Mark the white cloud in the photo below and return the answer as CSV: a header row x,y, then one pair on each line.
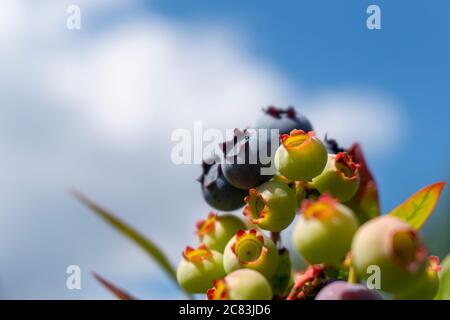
x,y
95,109
138,75
371,118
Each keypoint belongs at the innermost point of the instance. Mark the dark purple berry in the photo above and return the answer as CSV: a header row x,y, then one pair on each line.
x,y
340,290
217,191
284,120
245,159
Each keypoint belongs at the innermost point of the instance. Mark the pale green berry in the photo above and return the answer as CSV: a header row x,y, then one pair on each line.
x,y
251,249
216,231
426,286
199,268
340,177
271,206
324,231
394,247
242,284
301,156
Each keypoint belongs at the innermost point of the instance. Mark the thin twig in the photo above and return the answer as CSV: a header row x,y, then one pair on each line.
x,y
275,237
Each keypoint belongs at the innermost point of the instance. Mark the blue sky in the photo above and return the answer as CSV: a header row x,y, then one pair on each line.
x,y
96,113
326,43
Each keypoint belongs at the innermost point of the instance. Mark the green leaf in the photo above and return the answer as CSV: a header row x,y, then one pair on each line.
x,y
148,246
119,293
365,203
419,206
444,280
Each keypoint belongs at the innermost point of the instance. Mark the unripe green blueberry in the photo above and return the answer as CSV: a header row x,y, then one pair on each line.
x,y
427,285
199,268
301,156
242,284
299,187
392,245
272,206
216,231
324,231
252,250
340,177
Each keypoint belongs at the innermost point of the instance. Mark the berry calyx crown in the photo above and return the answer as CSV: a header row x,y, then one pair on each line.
x,y
256,209
207,225
434,264
277,112
297,139
197,255
322,208
345,166
219,291
249,247
406,249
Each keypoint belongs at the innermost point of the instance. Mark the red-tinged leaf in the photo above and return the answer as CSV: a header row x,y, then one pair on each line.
x,y
419,206
365,203
119,293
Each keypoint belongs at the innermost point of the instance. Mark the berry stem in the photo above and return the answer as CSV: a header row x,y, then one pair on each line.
x,y
275,237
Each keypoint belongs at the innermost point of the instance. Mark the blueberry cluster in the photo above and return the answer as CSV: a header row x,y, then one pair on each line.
x,y
244,259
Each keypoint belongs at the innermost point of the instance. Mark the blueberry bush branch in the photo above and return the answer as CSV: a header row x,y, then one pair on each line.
x,y
329,197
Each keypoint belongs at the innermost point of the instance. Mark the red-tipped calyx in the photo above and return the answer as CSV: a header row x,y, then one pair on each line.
x,y
296,139
434,264
345,166
197,255
207,225
249,247
219,291
322,208
290,112
277,112
407,250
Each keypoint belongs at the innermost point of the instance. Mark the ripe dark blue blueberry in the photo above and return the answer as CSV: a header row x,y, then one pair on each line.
x,y
340,290
245,160
284,120
217,191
